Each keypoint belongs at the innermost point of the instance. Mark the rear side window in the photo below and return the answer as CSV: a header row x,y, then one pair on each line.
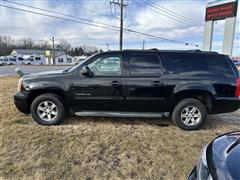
x,y
218,63
144,65
199,64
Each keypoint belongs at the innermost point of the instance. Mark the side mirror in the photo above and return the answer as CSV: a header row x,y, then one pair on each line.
x,y
86,71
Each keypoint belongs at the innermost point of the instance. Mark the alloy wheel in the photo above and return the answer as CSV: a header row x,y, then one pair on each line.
x,y
191,116
47,111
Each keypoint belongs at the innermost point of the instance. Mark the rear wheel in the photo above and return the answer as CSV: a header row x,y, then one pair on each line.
x,y
189,114
48,109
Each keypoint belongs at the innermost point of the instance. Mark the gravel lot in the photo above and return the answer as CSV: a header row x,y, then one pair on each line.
x,y
9,70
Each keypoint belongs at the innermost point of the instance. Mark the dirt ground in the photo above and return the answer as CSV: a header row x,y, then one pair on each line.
x,y
97,148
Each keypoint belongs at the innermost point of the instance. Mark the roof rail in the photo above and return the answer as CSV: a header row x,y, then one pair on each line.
x,y
154,49
198,50
194,50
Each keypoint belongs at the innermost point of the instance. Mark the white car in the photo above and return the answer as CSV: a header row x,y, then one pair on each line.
x,y
34,60
3,61
236,62
11,61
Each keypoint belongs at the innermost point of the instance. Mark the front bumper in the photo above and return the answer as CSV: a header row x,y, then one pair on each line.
x,y
225,105
21,102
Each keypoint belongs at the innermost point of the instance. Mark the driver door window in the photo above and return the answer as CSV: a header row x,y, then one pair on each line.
x,y
106,66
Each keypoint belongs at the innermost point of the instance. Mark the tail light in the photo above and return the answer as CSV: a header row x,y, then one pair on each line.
x,y
238,87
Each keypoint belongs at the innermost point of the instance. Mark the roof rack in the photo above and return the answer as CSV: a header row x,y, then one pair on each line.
x,y
154,49
194,50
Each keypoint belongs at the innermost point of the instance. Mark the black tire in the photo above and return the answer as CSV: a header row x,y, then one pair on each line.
x,y
50,98
181,107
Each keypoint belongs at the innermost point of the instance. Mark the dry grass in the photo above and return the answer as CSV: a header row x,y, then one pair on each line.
x,y
97,148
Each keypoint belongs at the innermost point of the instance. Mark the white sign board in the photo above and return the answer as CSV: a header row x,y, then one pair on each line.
x,y
211,3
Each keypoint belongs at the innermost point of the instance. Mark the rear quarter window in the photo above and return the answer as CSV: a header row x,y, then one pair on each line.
x,y
200,65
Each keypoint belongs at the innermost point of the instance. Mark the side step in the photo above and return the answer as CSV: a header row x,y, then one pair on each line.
x,y
121,114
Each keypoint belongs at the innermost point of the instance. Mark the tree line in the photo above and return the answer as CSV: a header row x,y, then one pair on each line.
x,y
8,44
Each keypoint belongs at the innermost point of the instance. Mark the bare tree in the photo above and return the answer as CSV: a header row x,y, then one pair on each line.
x,y
43,44
64,45
25,43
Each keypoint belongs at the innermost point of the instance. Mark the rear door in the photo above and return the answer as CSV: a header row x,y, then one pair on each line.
x,y
145,82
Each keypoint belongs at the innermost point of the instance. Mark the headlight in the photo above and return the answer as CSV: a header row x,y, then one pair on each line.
x,y
202,168
19,85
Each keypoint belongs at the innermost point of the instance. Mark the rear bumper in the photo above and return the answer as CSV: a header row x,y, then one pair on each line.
x,y
225,105
21,102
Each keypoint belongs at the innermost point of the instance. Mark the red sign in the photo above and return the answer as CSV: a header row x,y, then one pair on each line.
x,y
221,11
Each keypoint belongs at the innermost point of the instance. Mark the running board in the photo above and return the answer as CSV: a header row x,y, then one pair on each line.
x,y
121,114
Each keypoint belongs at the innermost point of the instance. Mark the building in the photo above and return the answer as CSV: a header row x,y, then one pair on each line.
x,y
48,54
79,59
65,60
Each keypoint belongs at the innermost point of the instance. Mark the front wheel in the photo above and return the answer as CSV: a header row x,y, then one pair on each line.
x,y
48,109
189,114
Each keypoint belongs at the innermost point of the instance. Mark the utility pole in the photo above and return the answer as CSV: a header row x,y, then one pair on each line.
x,y
143,45
121,26
122,6
52,39
107,46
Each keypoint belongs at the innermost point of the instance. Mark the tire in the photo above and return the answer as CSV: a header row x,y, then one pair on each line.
x,y
39,107
185,119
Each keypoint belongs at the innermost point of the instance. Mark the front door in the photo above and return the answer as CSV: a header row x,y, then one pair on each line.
x,y
103,90
145,82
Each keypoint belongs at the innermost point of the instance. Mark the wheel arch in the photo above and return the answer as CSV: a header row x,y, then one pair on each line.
x,y
204,96
56,91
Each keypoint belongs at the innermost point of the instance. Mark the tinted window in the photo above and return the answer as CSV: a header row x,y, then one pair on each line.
x,y
199,64
144,65
218,63
38,58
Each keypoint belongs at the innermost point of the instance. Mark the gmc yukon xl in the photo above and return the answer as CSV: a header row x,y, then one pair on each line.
x,y
186,85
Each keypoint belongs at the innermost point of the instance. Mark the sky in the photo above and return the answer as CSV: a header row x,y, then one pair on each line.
x,y
138,14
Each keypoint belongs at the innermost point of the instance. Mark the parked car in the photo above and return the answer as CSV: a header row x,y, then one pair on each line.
x,y
3,61
12,61
220,159
188,85
34,60
236,62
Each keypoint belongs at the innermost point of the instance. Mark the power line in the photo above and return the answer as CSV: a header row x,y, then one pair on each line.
x,y
173,13
104,27
57,17
54,12
166,14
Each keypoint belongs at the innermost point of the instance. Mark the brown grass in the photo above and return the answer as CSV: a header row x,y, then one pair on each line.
x,y
97,148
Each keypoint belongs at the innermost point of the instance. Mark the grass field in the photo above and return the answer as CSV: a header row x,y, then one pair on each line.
x,y
97,148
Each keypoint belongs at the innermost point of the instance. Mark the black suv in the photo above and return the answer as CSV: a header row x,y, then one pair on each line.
x,y
188,85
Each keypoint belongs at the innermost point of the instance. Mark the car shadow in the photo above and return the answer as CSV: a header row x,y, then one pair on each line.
x,y
161,122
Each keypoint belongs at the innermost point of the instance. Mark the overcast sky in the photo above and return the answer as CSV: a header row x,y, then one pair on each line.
x,y
139,17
